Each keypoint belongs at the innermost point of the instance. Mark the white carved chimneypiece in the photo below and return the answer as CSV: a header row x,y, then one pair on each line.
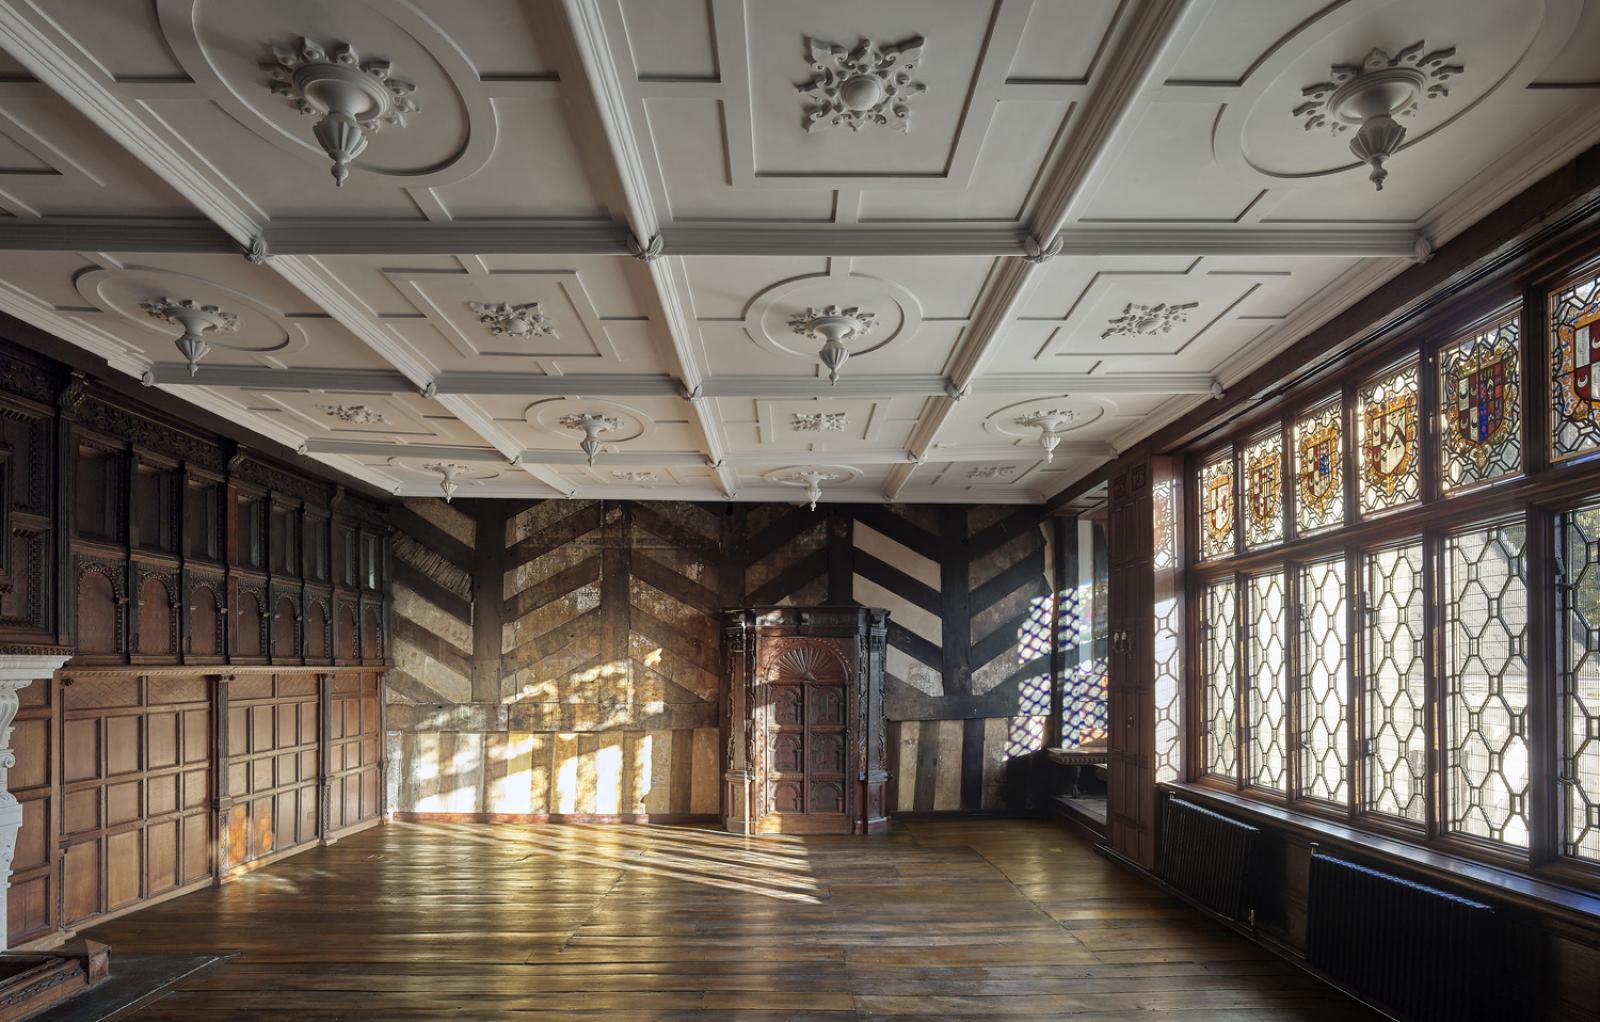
x,y
17,671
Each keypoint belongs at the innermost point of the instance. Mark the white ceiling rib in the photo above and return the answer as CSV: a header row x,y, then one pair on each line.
x,y
1097,214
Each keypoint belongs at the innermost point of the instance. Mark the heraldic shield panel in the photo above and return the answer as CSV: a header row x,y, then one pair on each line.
x,y
1319,469
1216,507
1574,357
1391,472
1480,409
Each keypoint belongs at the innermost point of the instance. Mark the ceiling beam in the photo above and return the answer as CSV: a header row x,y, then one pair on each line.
x,y
385,381
626,456
542,237
1130,60
596,68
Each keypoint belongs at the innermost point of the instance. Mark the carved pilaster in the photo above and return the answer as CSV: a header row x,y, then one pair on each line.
x,y
17,672
737,775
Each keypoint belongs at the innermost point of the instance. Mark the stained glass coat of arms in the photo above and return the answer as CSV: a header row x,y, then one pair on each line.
x,y
1319,469
1263,488
1216,508
1480,409
1387,415
1575,365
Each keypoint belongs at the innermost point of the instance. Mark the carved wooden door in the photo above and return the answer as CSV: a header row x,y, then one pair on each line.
x,y
805,738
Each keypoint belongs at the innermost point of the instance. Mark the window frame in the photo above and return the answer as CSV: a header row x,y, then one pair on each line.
x,y
1542,490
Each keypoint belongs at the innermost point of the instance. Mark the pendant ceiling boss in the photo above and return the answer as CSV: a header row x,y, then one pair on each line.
x,y
1369,96
353,99
833,326
196,320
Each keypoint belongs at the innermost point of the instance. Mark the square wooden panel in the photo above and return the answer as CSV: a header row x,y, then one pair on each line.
x,y
196,736
196,788
80,882
195,837
237,835
161,857
161,795
288,726
122,745
261,729
28,909
80,748
123,802
161,740
124,869
30,742
80,811
33,846
238,730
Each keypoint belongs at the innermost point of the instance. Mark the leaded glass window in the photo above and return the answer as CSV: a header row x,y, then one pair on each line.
x,y
1219,637
1480,409
1216,507
1319,469
1167,637
1394,752
1265,670
1486,620
1386,415
1322,693
1579,629
1263,491
1574,355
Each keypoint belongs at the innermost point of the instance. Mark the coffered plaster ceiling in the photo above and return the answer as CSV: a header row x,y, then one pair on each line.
x,y
656,212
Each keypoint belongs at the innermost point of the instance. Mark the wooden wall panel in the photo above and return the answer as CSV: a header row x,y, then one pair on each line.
x,y
562,658
31,902
135,791
272,763
353,741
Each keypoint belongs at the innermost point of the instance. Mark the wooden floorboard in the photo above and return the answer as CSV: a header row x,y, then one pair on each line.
x,y
940,919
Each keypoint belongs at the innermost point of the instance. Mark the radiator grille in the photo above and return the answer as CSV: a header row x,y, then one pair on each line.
x,y
1208,857
1418,951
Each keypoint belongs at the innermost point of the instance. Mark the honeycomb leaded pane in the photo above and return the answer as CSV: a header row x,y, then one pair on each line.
x,y
1580,669
1167,637
1220,635
1480,409
1216,507
1386,415
1322,692
1265,667
1319,469
1263,491
1486,619
1394,755
1574,352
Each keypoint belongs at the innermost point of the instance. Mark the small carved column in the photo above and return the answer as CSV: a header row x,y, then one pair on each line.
x,y
739,642
17,672
221,803
325,756
874,770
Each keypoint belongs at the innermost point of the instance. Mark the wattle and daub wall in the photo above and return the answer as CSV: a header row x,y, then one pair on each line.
x,y
563,658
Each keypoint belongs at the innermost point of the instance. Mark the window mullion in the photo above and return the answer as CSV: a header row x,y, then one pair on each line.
x,y
1293,624
1544,691
1433,685
1241,673
1355,661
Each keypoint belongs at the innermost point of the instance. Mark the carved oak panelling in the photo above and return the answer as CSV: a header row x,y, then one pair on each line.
x,y
285,623
251,619
318,630
272,765
101,601
157,612
346,629
354,750
135,788
207,615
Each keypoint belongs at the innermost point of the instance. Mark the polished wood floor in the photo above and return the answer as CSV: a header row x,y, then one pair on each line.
x,y
969,919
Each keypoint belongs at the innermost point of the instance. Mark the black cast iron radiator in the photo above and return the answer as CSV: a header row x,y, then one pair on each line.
x,y
1208,857
1421,952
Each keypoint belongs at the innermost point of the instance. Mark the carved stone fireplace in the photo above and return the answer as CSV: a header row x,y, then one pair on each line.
x,y
804,720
